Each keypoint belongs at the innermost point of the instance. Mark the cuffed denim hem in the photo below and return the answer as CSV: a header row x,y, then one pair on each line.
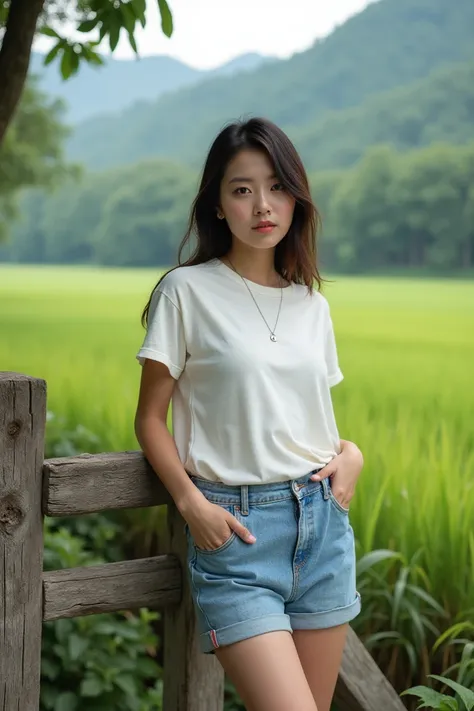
x,y
211,640
326,619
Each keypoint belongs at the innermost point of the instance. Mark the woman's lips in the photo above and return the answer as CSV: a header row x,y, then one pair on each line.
x,y
265,228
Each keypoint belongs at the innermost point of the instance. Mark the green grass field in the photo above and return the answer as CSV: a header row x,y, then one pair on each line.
x,y
407,351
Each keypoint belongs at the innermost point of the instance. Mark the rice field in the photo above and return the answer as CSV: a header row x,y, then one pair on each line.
x,y
406,347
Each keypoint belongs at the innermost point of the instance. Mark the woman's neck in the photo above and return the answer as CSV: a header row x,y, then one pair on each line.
x,y
258,266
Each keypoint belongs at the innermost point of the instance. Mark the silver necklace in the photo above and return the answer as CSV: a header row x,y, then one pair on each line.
x,y
272,332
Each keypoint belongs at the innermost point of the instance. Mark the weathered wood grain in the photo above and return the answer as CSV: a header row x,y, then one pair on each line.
x,y
22,423
192,681
361,685
147,582
97,482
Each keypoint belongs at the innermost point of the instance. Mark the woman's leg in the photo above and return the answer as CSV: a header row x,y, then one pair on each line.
x,y
320,653
267,673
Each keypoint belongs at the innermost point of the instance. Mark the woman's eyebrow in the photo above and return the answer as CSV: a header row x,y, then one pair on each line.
x,y
248,180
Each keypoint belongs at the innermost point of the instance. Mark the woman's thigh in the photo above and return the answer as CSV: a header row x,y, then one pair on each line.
x,y
320,655
267,673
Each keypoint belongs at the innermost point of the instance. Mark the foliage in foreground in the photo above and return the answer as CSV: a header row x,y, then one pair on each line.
x,y
405,627
402,624
429,698
106,662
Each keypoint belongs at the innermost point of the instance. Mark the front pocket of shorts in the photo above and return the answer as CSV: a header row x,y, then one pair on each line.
x,y
220,549
337,505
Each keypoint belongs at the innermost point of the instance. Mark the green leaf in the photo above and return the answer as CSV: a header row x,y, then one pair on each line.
x,y
431,699
48,695
127,684
146,667
49,668
88,25
74,61
49,32
418,631
374,557
423,595
465,694
63,628
91,56
453,631
114,36
374,639
449,705
133,44
77,646
91,686
53,53
166,18
102,32
399,590
411,653
66,702
129,17
140,8
66,62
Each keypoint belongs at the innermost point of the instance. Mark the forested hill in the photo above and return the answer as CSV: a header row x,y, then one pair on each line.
x,y
437,109
390,44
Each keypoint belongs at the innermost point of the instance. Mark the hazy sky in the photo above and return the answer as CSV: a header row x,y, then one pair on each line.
x,y
210,32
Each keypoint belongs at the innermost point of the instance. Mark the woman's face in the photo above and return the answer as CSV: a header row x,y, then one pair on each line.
x,y
258,209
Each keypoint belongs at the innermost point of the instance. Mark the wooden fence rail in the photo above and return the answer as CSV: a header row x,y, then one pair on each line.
x,y
31,488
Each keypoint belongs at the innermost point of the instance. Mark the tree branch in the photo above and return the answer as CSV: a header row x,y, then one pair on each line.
x,y
15,56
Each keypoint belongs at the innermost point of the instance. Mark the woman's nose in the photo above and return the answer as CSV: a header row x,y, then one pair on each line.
x,y
262,207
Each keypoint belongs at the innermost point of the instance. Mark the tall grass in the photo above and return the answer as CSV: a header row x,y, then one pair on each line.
x,y
407,351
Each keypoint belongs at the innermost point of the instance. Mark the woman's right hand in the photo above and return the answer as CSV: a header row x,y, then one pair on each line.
x,y
211,526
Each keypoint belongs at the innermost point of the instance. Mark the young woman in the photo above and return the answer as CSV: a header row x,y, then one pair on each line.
x,y
243,344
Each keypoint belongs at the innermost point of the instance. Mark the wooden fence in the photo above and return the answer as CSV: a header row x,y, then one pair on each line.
x,y
31,488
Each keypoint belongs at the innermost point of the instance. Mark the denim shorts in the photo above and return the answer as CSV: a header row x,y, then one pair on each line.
x,y
300,573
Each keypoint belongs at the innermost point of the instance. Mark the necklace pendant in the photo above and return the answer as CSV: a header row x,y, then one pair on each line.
x,y
273,337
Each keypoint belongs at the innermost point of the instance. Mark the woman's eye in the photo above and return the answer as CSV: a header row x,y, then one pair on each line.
x,y
241,191
278,186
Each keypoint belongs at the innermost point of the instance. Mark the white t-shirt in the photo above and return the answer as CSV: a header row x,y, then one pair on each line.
x,y
245,410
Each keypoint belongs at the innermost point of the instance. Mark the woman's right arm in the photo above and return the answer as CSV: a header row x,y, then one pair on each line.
x,y
209,523
156,441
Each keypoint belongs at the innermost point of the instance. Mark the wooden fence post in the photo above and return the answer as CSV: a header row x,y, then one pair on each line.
x,y
192,681
22,425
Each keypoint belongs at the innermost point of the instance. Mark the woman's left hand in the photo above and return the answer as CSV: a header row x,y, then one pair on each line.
x,y
344,471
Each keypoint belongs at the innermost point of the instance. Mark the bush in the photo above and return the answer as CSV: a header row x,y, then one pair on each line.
x,y
65,440
105,662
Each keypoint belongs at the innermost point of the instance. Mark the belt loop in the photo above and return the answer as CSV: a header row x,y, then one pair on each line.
x,y
244,500
325,485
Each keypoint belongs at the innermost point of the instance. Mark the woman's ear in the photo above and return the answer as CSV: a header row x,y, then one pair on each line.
x,y
220,214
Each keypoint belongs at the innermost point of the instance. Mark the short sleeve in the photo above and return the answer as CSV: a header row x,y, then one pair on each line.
x,y
332,363
164,340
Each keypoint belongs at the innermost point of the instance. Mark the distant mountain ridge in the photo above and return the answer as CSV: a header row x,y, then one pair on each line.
x,y
391,44
120,83
438,108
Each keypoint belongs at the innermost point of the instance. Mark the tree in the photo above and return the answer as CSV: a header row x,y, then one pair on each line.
x,y
21,20
365,215
31,154
144,219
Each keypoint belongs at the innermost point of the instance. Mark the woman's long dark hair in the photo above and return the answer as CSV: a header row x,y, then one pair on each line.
x,y
295,255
